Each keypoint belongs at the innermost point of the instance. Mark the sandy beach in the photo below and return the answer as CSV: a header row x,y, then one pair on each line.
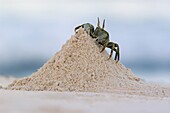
x,y
110,56
80,79
5,81
12,101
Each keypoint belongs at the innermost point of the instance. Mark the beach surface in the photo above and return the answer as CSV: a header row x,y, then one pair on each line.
x,y
81,79
13,101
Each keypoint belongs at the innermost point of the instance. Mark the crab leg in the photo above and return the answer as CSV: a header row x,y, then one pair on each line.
x,y
110,54
103,48
105,45
117,56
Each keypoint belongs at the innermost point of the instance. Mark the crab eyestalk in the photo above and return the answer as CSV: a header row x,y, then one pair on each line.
x,y
103,24
98,23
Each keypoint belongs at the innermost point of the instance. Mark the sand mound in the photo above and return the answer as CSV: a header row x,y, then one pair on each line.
x,y
79,66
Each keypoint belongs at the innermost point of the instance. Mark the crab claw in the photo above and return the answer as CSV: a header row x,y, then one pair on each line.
x,y
75,30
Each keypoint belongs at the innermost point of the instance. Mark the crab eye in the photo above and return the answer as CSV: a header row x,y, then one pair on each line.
x,y
103,24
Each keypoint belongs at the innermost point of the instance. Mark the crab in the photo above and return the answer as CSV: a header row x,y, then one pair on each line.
x,y
102,38
89,28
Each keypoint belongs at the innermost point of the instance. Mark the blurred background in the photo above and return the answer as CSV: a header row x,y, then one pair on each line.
x,y
32,31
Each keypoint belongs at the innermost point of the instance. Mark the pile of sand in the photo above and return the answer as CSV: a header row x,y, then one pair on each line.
x,y
79,66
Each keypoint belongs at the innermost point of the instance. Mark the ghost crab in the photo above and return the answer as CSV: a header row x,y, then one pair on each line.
x,y
102,38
